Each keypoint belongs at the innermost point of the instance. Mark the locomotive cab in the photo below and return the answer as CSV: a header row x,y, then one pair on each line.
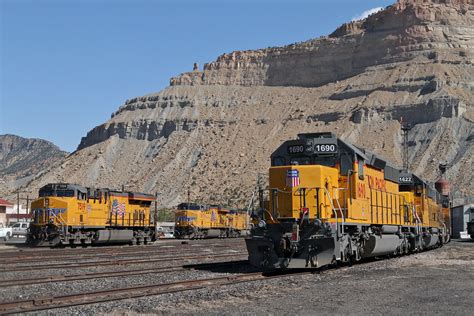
x,y
50,211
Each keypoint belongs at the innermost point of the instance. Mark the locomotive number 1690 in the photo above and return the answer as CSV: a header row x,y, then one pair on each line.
x,y
330,148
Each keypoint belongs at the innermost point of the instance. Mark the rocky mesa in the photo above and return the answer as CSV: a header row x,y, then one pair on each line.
x,y
212,130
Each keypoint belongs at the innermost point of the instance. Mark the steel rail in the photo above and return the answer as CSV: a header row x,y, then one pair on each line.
x,y
80,256
31,305
118,262
37,252
112,274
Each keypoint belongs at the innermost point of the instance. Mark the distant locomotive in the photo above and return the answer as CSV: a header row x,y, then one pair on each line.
x,y
69,214
329,201
196,221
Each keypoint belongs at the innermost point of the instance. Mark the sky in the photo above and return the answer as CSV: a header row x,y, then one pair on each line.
x,y
65,66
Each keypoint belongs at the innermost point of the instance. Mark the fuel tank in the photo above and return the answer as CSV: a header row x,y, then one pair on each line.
x,y
380,245
111,236
430,241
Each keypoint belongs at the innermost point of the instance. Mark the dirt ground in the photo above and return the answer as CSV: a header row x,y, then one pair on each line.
x,y
439,281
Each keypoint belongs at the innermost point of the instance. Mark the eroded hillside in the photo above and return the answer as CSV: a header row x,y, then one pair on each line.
x,y
212,131
22,159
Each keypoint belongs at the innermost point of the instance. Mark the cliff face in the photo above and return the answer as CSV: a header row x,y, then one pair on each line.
x,y
212,131
404,31
21,159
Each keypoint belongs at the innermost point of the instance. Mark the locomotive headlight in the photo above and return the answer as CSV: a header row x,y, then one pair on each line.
x,y
262,224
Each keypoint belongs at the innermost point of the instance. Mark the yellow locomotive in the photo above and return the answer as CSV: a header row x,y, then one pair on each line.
x,y
69,214
206,221
329,201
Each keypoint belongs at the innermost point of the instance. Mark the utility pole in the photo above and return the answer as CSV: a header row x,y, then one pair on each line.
x,y
406,127
156,207
28,204
18,205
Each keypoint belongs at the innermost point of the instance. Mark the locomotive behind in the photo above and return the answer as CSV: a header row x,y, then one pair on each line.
x,y
329,201
69,214
195,221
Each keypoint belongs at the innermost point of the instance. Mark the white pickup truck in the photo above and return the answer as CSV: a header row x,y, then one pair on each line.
x,y
5,232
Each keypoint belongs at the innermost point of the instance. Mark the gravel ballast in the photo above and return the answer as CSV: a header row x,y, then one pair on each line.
x,y
439,281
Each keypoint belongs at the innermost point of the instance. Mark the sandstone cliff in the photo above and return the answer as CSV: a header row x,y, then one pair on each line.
x,y
212,131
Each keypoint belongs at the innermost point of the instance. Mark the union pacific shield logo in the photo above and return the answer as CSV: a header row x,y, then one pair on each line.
x,y
292,178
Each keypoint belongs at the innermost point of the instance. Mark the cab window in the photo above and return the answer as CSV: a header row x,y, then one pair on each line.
x,y
329,161
279,161
44,193
300,161
419,190
346,163
361,169
65,193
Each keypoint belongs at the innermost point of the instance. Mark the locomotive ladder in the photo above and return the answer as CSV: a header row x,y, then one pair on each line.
x,y
335,211
61,221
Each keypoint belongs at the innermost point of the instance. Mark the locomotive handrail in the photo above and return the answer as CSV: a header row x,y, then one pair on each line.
x,y
340,209
318,204
334,210
418,221
62,222
59,217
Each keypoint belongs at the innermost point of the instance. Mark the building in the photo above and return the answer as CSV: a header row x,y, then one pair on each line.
x,y
17,213
461,214
4,204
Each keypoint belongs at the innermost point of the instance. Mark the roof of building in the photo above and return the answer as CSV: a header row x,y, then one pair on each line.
x,y
5,203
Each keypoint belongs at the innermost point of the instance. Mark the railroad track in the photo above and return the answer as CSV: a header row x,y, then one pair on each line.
x,y
86,264
31,305
79,256
34,253
112,274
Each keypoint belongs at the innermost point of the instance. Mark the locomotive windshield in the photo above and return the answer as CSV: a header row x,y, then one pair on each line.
x,y
57,193
189,206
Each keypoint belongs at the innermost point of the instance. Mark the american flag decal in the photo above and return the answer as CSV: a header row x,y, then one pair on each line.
x,y
292,178
118,208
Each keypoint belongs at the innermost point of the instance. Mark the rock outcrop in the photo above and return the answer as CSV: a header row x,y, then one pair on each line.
x,y
22,159
212,131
